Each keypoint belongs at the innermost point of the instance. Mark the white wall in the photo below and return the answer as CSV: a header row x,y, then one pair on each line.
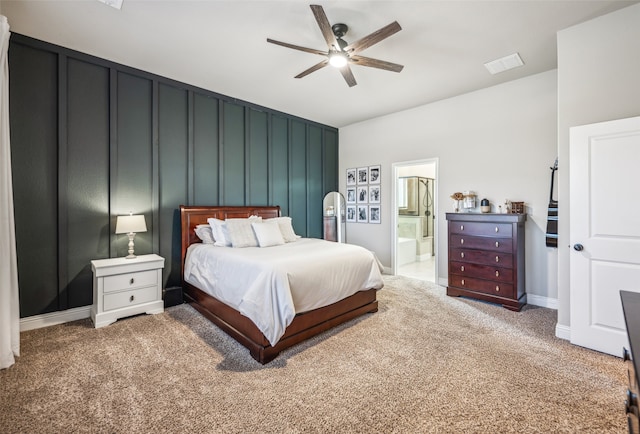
x,y
598,80
499,142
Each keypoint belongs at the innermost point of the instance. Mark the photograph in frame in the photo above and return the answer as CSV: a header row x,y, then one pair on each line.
x,y
374,194
351,195
363,175
363,211
374,174
351,176
362,194
351,213
374,214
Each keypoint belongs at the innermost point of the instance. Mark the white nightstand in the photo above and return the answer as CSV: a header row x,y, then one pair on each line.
x,y
124,287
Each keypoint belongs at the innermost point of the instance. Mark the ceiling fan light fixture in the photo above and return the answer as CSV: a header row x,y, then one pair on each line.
x,y
338,59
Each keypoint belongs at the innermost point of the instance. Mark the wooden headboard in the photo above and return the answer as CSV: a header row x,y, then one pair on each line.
x,y
190,216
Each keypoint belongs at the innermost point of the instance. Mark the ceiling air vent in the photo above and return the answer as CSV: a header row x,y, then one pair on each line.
x,y
505,63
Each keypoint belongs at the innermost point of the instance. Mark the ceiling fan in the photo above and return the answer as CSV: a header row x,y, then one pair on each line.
x,y
342,54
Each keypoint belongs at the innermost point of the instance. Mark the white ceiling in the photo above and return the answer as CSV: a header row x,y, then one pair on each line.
x,y
221,46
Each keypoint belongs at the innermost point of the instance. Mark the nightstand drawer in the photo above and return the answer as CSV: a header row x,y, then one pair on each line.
x,y
121,282
130,298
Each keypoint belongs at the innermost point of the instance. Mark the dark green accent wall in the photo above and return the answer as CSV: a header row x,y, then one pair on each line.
x,y
91,140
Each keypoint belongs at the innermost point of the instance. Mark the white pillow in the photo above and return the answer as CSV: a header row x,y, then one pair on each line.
x,y
220,232
268,234
286,228
241,233
205,233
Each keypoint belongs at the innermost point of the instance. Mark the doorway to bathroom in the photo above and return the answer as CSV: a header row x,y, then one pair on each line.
x,y
415,219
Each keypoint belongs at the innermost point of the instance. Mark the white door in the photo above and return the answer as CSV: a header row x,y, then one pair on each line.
x,y
604,230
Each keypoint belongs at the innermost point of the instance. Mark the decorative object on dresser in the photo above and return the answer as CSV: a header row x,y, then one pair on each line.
x,y
130,225
486,258
631,309
123,287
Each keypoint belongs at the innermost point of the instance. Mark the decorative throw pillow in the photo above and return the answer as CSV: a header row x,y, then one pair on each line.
x,y
286,228
205,233
268,233
241,233
220,232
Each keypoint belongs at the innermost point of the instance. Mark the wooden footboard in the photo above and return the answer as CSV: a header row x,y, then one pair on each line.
x,y
241,328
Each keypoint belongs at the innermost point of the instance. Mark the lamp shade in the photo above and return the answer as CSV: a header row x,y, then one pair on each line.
x,y
130,223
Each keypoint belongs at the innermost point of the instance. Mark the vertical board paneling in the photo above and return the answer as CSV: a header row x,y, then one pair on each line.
x,y
87,176
258,159
91,139
233,159
314,181
330,162
205,150
134,174
298,177
34,153
173,136
279,164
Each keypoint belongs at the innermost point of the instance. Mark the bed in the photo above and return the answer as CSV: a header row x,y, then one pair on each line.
x,y
303,325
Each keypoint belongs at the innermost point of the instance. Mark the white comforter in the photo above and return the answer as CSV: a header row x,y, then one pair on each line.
x,y
270,285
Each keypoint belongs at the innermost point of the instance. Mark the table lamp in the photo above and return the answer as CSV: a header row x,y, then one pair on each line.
x,y
130,225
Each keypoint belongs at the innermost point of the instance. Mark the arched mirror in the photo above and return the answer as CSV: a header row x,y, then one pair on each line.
x,y
334,219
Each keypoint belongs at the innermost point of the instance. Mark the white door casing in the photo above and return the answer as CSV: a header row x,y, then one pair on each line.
x,y
605,221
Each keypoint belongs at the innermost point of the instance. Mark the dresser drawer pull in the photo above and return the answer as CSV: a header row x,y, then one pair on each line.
x,y
497,258
497,288
497,244
131,281
462,282
462,227
497,273
462,268
132,297
462,254
461,240
496,229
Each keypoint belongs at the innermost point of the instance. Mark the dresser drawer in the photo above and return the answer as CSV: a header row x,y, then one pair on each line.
x,y
499,289
481,271
118,300
504,260
481,243
119,282
480,228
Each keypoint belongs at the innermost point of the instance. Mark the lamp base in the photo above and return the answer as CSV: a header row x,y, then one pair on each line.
x,y
130,256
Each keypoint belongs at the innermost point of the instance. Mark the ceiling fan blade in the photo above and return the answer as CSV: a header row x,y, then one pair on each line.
x,y
297,47
375,63
348,75
373,38
313,68
325,27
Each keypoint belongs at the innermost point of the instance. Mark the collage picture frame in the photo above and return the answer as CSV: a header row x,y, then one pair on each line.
x,y
364,194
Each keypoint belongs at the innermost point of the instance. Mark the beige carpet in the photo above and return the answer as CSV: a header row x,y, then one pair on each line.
x,y
423,363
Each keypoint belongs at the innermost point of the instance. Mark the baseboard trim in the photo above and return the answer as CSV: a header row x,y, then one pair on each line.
x,y
539,300
563,332
54,318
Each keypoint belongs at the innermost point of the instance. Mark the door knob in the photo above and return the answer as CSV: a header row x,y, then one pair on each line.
x,y
578,247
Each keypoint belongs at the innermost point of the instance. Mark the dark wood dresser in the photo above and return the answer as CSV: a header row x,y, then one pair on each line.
x,y
631,308
486,258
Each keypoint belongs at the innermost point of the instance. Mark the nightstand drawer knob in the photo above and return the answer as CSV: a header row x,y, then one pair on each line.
x,y
462,268
462,227
461,240
462,282
131,281
497,288
132,297
462,254
496,229
497,244
497,273
497,258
